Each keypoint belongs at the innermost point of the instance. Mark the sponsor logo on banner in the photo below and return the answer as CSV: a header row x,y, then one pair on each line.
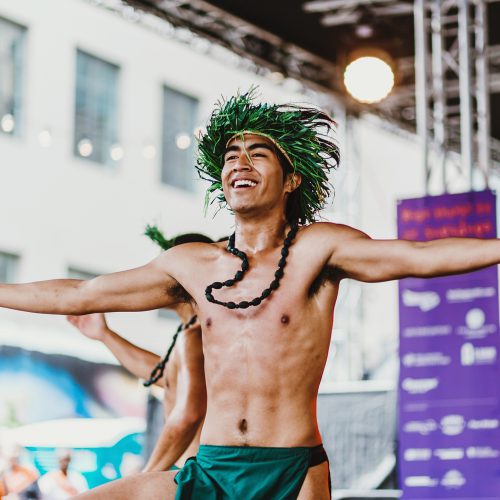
x,y
475,318
423,359
471,355
423,427
425,301
420,454
475,325
452,425
419,385
449,453
469,294
482,452
427,331
485,423
453,479
421,482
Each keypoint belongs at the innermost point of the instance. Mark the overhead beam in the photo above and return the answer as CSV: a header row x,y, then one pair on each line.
x,y
328,5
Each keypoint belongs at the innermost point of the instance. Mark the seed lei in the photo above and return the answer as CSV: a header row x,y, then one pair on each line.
x,y
274,285
158,370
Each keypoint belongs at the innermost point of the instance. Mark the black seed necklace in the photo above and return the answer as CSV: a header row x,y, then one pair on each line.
x,y
158,370
244,268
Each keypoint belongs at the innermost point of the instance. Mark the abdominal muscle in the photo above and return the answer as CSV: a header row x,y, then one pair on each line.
x,y
262,384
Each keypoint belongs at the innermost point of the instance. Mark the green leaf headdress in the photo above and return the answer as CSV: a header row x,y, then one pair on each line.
x,y
301,134
156,236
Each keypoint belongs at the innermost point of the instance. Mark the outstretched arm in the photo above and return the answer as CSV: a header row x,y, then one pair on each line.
x,y
144,288
357,256
137,361
190,406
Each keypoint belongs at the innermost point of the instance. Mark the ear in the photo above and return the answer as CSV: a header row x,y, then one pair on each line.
x,y
293,181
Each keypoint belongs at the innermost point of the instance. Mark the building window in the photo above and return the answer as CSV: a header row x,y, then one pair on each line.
x,y
8,267
12,38
179,121
79,274
96,110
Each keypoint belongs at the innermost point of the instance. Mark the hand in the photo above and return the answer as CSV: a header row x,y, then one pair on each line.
x,y
93,326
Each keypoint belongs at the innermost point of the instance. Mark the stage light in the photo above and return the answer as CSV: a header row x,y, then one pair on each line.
x,y
7,123
85,148
369,79
182,141
116,152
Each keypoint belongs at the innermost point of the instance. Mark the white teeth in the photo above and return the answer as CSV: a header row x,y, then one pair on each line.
x,y
244,182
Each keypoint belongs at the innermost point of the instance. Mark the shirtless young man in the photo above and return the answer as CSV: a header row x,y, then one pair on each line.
x,y
180,373
263,363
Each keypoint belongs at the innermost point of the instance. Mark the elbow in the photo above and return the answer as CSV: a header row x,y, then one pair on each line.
x,y
193,417
81,302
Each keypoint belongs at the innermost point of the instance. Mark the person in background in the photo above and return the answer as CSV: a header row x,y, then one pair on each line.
x,y
62,483
20,480
180,373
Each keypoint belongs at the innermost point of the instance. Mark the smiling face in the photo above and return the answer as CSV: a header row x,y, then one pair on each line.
x,y
253,179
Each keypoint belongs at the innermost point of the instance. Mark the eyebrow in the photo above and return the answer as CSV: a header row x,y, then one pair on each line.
x,y
255,145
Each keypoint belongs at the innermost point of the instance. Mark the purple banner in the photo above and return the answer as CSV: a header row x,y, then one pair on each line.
x,y
449,383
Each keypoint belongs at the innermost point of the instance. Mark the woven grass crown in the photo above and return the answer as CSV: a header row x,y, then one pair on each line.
x,y
302,134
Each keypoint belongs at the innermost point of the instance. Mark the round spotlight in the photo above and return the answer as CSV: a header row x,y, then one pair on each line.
x,y
116,152
369,79
276,77
183,141
85,148
7,123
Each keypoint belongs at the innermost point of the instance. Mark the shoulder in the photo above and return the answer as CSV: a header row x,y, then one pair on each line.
x,y
318,231
192,253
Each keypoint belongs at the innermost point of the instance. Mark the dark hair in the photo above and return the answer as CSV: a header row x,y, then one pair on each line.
x,y
191,238
292,209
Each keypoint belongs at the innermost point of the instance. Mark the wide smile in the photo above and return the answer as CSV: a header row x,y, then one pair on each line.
x,y
243,184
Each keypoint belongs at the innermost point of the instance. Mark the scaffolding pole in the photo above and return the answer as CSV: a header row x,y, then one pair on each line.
x,y
438,92
421,89
465,86
482,91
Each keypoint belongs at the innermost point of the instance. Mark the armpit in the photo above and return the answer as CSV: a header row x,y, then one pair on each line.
x,y
329,274
178,292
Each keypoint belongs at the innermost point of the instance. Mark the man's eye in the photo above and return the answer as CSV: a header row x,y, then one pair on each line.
x,y
258,154
233,157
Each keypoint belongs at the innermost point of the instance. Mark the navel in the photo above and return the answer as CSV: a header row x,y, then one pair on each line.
x,y
285,319
208,323
243,426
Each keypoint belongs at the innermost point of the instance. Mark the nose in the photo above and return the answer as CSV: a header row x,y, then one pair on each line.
x,y
242,164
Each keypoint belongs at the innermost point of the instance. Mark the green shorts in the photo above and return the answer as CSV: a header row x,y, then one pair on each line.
x,y
246,473
174,467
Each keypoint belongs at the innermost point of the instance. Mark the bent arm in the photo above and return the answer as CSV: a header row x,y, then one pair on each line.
x,y
187,415
136,360
138,289
364,259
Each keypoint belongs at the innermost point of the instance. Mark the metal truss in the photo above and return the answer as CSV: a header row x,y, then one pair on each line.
x,y
339,12
443,92
245,39
453,84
